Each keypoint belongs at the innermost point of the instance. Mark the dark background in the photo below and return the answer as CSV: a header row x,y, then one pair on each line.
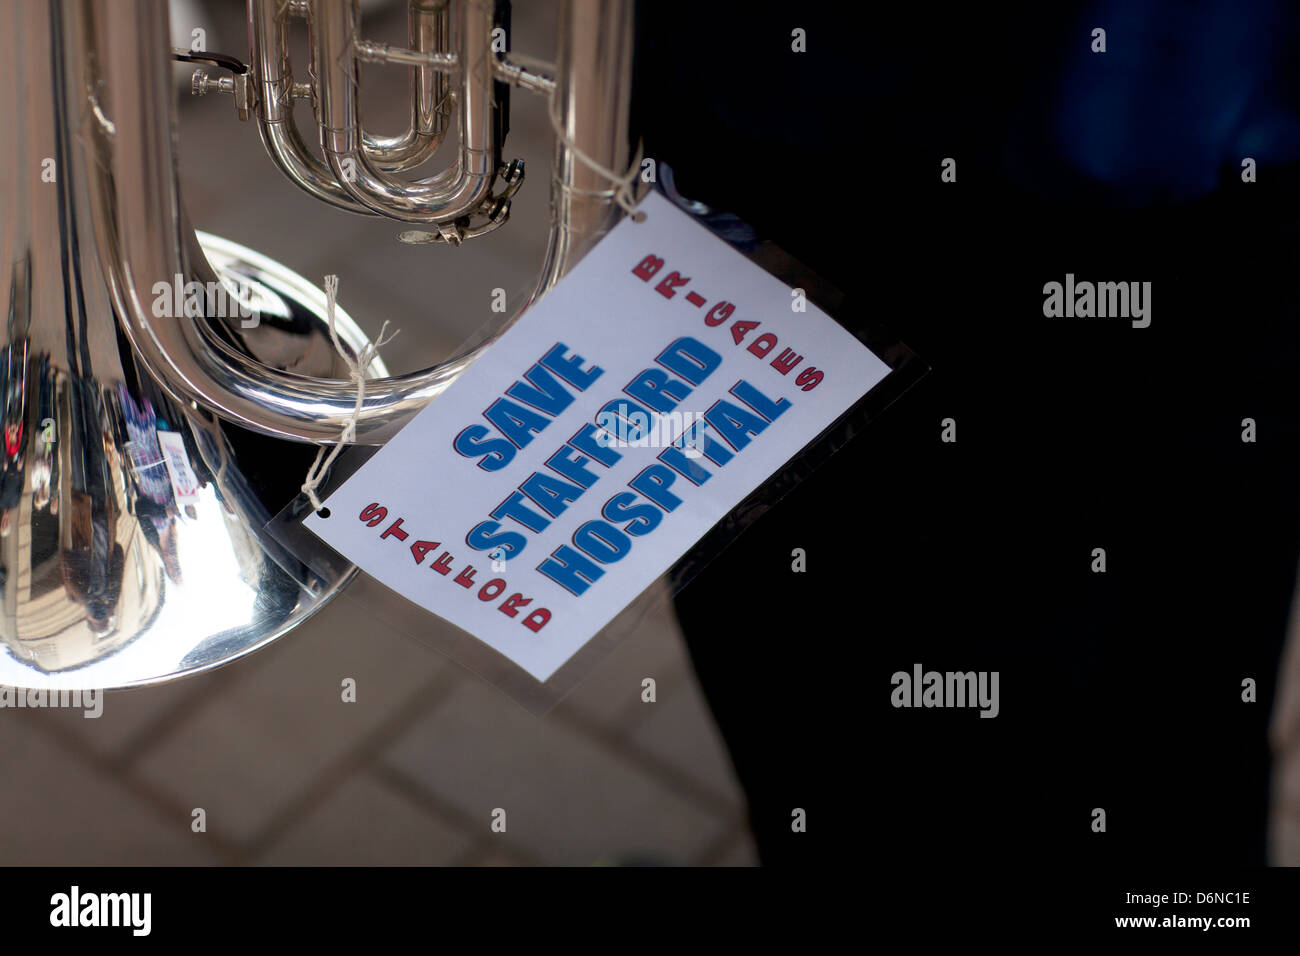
x,y
1119,690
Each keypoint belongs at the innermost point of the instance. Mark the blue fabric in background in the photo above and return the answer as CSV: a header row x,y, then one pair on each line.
x,y
1182,94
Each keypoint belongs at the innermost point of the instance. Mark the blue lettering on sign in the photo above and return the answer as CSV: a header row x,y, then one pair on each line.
x,y
544,392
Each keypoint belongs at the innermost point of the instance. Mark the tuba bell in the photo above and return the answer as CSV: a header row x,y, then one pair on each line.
x,y
165,390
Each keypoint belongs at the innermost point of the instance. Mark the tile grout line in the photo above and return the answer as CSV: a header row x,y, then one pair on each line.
x,y
325,783
446,812
624,718
153,799
364,757
157,728
677,780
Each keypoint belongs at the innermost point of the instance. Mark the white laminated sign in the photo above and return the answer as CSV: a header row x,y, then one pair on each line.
x,y
645,396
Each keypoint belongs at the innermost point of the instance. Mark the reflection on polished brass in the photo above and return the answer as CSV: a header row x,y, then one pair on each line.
x,y
106,577
592,96
137,480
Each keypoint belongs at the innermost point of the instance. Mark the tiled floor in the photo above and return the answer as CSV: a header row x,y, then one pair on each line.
x,y
413,772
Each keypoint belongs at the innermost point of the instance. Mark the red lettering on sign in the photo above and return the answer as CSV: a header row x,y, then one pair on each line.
x,y
742,328
719,313
647,267
422,548
812,376
669,283
542,615
786,361
514,601
372,514
763,344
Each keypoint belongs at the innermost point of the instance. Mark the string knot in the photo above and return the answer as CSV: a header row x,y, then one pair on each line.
x,y
357,366
624,191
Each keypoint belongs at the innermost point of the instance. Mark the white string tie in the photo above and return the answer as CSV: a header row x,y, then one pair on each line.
x,y
357,370
625,193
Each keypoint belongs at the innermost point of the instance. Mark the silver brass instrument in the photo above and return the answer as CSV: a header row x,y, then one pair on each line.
x,y
150,436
